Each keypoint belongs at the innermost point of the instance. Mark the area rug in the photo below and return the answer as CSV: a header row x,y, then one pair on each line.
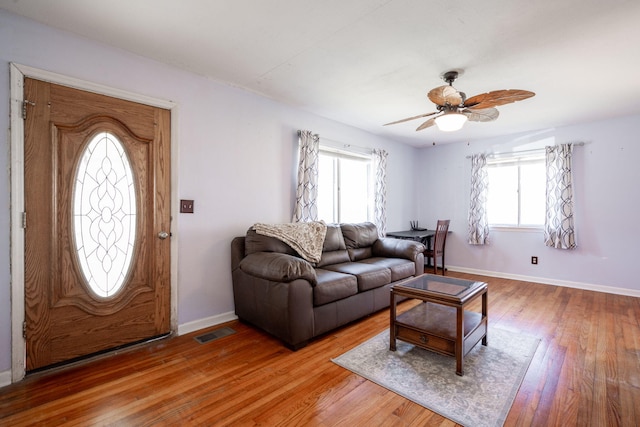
x,y
482,397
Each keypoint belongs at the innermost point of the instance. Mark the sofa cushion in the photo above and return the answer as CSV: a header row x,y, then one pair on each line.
x,y
359,235
333,286
369,276
357,254
334,257
400,268
333,240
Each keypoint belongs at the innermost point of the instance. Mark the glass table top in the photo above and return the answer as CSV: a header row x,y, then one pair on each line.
x,y
442,285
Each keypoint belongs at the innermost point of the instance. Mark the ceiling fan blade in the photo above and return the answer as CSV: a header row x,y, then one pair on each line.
x,y
496,98
428,123
484,115
443,95
411,118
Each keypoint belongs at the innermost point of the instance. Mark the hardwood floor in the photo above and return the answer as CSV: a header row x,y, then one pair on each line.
x,y
586,372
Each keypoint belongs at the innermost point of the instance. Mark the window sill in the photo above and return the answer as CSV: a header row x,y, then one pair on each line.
x,y
511,228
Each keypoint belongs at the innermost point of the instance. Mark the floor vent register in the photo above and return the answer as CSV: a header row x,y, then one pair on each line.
x,y
214,335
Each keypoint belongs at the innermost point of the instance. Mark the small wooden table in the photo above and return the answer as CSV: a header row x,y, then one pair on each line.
x,y
440,323
423,236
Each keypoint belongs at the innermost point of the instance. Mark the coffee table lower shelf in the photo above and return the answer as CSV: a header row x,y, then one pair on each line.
x,y
433,327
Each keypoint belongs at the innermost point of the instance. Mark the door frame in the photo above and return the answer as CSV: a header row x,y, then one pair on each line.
x,y
18,73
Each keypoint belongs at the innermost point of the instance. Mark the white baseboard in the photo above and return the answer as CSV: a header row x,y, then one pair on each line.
x,y
5,378
546,281
207,322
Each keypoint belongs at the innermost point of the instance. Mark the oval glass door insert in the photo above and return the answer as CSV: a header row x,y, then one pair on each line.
x,y
104,212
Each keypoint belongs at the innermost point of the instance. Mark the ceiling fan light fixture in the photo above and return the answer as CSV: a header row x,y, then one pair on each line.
x,y
450,122
453,108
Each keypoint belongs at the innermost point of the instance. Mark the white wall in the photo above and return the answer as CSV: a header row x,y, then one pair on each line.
x,y
607,202
237,154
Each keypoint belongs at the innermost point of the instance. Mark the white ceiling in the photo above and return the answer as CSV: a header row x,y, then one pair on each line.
x,y
369,62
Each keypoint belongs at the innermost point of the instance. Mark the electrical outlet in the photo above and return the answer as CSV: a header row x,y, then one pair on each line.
x,y
186,206
534,260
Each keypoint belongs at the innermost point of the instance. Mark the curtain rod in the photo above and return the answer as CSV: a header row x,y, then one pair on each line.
x,y
367,150
579,144
343,144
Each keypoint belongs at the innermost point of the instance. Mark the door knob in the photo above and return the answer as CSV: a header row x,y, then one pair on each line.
x,y
163,235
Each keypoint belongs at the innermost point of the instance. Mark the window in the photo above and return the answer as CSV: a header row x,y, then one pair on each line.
x,y
344,187
516,192
104,211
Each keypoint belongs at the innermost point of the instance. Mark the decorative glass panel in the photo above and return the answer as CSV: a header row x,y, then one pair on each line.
x,y
104,212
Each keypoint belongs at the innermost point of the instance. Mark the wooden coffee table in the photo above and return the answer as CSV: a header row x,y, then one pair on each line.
x,y
440,323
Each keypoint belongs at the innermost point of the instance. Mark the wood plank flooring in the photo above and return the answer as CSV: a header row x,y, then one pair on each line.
x,y
586,372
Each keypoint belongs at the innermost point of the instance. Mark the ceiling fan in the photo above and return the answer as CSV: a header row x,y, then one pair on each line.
x,y
454,108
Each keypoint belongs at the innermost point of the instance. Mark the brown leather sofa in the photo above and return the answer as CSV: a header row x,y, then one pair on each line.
x,y
288,297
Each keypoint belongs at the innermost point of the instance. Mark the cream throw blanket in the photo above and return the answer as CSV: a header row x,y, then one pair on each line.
x,y
307,238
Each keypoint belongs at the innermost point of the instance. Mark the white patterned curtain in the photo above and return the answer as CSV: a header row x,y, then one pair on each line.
x,y
306,208
478,222
559,231
380,190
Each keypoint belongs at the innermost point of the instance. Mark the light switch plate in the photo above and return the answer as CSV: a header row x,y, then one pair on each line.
x,y
186,206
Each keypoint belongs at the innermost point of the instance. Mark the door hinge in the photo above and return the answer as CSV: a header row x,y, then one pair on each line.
x,y
24,220
24,329
25,103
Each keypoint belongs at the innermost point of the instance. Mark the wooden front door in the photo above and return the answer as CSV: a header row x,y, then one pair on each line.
x,y
97,218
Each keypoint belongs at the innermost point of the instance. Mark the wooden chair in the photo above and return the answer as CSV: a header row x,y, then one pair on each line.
x,y
439,241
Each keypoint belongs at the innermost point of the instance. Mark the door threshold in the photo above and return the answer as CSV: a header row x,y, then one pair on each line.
x,y
82,360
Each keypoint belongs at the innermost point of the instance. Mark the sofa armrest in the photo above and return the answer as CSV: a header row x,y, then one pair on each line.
x,y
278,267
398,248
237,252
